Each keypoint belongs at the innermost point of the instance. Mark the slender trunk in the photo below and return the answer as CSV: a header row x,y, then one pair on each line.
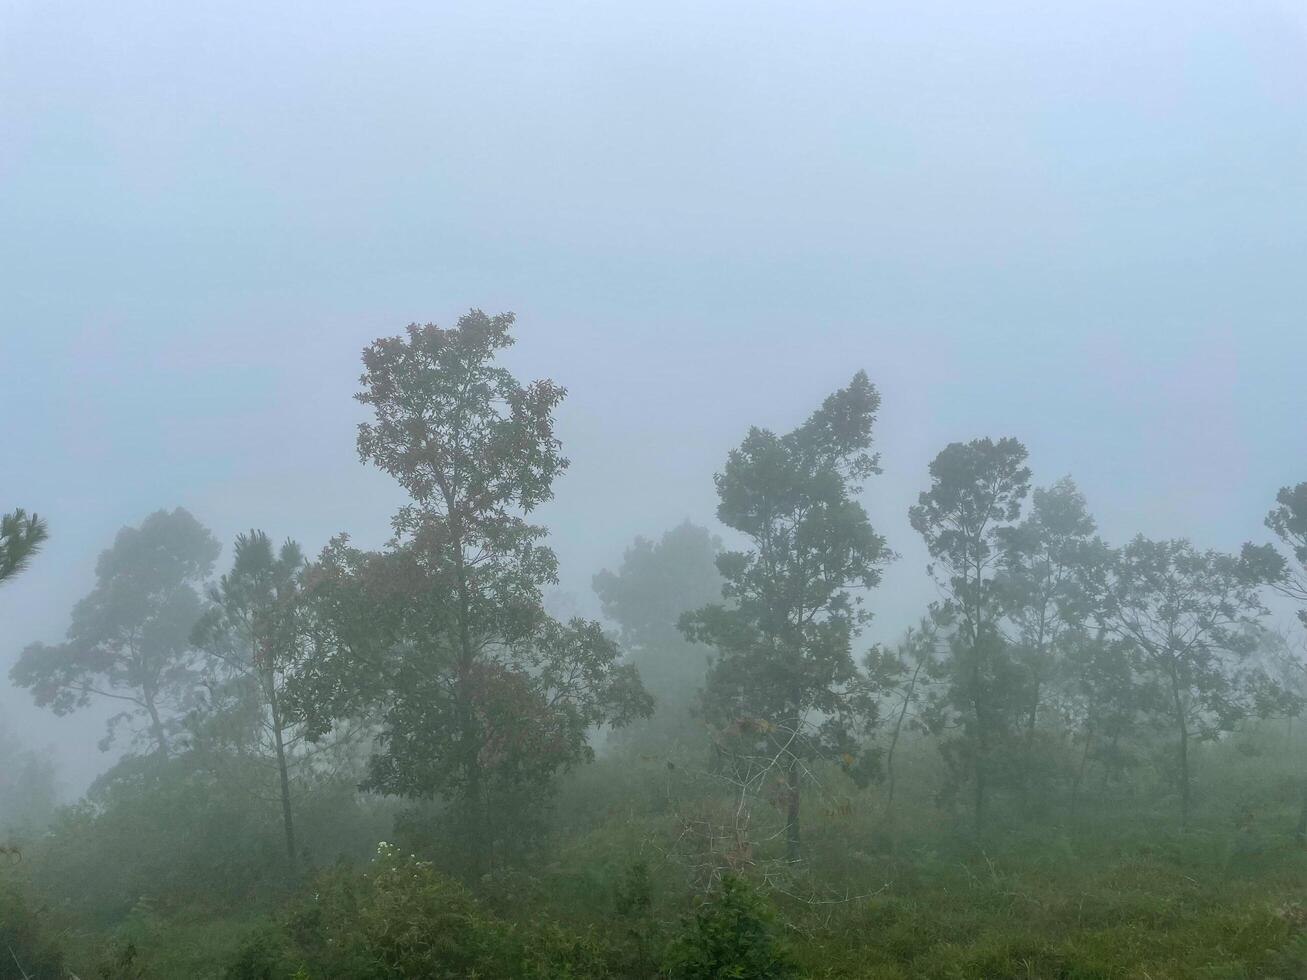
x,y
479,833
1027,758
982,739
1027,761
156,724
283,773
1183,729
1080,773
792,814
1301,832
794,783
1111,757
980,704
894,741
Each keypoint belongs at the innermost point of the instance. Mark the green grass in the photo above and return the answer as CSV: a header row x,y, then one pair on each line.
x,y
1115,891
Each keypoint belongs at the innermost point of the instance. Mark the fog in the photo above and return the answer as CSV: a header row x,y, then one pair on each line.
x,y
1079,224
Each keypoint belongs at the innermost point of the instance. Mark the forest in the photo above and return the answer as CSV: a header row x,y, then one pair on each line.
x,y
1086,760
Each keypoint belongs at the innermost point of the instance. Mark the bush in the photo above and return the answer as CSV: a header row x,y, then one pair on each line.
x,y
178,834
403,919
731,935
26,948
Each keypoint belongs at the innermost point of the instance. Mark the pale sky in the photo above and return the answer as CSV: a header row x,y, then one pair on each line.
x,y
1080,224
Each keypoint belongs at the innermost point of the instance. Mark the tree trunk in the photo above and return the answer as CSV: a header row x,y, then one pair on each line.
x,y
982,742
1080,773
1183,728
1027,754
478,838
1112,756
1301,833
283,773
894,741
792,813
156,725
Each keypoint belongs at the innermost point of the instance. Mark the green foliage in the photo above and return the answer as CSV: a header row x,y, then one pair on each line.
x,y
121,962
656,583
187,835
481,697
731,936
401,919
27,947
634,891
253,633
1094,685
130,639
1288,519
783,683
967,519
28,794
21,537
1190,619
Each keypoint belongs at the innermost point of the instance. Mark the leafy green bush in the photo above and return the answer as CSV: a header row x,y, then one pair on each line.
x,y
731,935
190,838
401,919
26,947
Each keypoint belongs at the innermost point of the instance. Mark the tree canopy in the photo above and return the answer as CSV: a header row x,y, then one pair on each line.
x,y
479,694
129,641
783,664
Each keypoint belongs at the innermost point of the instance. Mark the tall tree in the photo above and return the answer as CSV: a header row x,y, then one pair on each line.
x,y
29,793
130,639
1288,519
21,537
1104,701
1191,618
1045,601
656,583
1288,575
783,638
479,691
904,672
967,518
252,635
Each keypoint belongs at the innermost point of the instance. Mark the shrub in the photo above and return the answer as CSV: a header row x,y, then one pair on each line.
x,y
731,935
26,948
401,919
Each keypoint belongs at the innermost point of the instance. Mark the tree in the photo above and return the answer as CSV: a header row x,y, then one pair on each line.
x,y
1045,602
129,639
1191,619
252,633
28,791
783,665
1288,519
478,691
967,518
21,537
1288,576
1104,699
732,933
656,583
904,672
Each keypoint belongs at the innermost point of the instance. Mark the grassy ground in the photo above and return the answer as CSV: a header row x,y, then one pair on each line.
x,y
1115,891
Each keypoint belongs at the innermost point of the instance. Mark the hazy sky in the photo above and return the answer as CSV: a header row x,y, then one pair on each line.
x,y
1081,224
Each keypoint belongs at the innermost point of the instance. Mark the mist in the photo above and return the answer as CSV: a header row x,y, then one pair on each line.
x,y
1080,226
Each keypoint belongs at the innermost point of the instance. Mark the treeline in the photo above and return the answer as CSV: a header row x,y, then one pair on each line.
x,y
313,695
